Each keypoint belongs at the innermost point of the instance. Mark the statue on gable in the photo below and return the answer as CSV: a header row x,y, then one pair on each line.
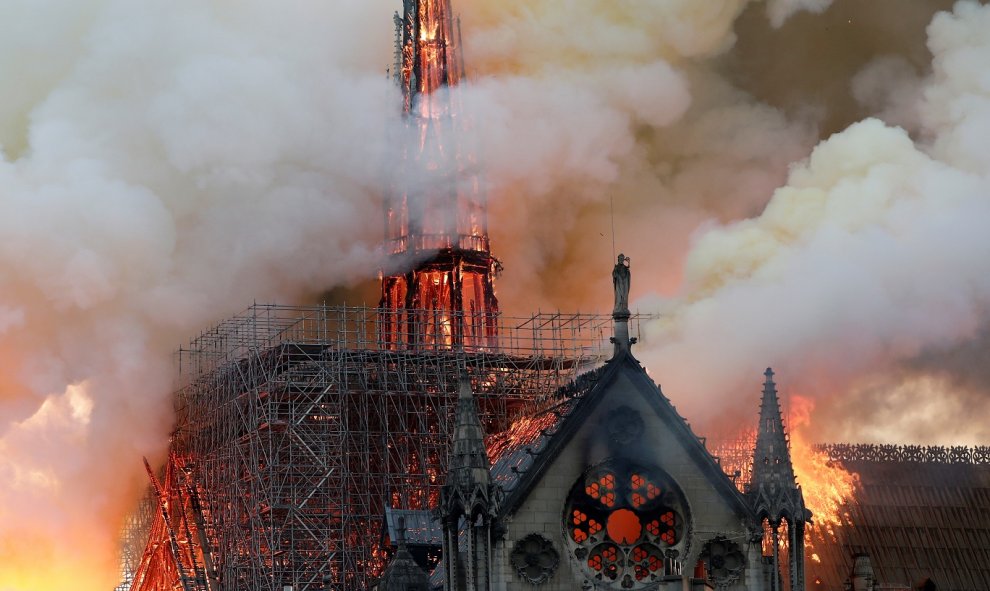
x,y
620,281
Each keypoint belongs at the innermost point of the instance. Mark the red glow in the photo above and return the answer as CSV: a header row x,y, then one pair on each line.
x,y
624,527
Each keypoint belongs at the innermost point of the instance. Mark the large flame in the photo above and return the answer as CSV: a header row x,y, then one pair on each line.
x,y
827,487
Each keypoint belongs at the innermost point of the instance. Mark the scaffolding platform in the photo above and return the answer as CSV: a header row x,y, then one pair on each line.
x,y
300,425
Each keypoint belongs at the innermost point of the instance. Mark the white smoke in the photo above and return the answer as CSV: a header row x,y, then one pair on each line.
x,y
602,107
167,163
872,255
780,10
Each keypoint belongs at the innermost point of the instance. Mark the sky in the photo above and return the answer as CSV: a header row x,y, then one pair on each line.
x,y
801,184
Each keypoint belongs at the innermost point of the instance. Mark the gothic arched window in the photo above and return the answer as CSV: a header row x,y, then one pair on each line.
x,y
622,520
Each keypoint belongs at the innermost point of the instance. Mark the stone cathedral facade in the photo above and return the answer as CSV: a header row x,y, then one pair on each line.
x,y
617,493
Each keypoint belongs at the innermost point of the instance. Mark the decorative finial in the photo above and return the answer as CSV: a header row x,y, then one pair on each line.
x,y
769,374
620,281
620,312
400,532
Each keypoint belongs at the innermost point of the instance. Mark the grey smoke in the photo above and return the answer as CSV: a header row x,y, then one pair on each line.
x,y
167,163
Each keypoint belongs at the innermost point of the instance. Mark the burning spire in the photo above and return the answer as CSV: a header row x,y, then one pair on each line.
x,y
440,220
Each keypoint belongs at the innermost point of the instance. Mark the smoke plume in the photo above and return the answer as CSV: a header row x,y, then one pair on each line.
x,y
871,259
166,164
864,266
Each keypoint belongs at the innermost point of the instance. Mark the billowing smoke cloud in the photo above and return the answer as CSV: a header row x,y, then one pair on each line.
x,y
868,262
166,164
865,269
598,107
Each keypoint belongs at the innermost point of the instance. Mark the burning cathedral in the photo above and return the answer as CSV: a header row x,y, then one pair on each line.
x,y
431,442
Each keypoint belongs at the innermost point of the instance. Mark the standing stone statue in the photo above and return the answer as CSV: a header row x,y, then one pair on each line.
x,y
620,281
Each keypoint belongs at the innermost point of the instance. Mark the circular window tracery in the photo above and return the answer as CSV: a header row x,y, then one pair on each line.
x,y
724,561
622,522
534,559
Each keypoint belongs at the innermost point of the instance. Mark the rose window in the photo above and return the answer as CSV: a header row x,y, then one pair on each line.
x,y
622,521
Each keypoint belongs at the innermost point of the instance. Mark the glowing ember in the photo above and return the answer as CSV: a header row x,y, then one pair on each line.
x,y
523,431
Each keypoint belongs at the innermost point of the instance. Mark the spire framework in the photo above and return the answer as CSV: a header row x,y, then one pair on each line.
x,y
436,220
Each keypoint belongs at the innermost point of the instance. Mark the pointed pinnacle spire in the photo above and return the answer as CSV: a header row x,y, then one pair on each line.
x,y
772,457
402,571
469,463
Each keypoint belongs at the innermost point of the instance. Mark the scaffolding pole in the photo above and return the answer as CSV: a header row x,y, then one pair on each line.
x,y
299,425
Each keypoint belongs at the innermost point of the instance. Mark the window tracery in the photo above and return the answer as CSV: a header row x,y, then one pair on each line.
x,y
624,523
724,562
534,559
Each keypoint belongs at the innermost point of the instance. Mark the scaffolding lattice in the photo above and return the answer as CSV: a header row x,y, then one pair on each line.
x,y
134,539
302,423
735,456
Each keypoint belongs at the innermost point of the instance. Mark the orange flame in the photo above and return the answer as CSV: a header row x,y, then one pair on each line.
x,y
827,486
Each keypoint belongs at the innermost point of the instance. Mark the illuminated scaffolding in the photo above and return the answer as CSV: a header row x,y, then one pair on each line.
x,y
300,424
735,456
134,539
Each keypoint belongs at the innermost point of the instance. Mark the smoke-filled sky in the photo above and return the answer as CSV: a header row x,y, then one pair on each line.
x,y
801,183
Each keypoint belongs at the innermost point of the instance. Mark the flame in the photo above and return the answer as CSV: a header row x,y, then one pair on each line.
x,y
428,32
32,577
827,487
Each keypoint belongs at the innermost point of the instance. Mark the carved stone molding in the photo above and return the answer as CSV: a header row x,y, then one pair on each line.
x,y
534,559
624,425
724,561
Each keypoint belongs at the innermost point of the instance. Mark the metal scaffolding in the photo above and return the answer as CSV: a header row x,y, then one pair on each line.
x,y
298,425
134,539
735,456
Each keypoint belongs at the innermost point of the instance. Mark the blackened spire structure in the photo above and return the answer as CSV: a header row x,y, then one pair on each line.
x,y
437,215
773,490
469,501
